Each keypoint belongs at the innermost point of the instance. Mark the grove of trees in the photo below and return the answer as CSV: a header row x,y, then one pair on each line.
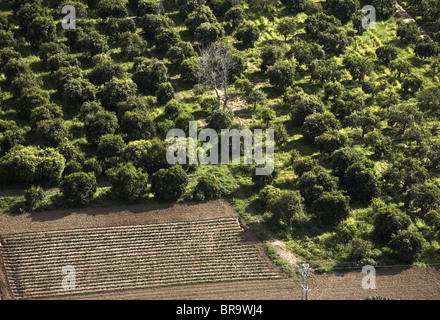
x,y
355,114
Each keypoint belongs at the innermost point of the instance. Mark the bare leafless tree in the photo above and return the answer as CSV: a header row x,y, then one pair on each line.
x,y
215,68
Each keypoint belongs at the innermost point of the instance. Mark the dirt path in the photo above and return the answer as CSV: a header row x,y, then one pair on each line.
x,y
407,18
270,239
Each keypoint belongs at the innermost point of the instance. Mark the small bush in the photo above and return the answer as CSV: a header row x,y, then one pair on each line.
x,y
208,187
128,182
78,188
169,184
33,195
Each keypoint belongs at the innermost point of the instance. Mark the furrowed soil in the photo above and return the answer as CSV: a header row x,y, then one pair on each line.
x,y
114,216
395,283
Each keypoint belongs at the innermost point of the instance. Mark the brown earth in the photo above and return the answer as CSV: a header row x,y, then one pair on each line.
x,y
113,216
415,283
396,283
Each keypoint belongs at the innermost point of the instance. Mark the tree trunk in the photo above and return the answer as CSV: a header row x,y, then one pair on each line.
x,y
226,98
160,7
218,97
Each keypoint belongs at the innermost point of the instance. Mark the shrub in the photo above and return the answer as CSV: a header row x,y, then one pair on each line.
x,y
109,149
281,74
286,26
78,188
149,74
407,245
256,97
48,111
318,123
244,85
207,33
71,152
169,184
91,43
33,195
386,54
51,132
303,164
209,103
331,207
152,25
188,70
128,182
29,99
172,109
425,49
115,91
136,152
40,30
98,124
433,219
201,15
268,194
360,251
331,140
269,55
15,68
288,207
63,74
104,71
188,6
7,54
146,7
166,39
346,230
138,125
112,8
60,60
208,187
72,167
280,133
77,91
165,92
313,183
116,28
92,165
361,181
343,158
156,156
220,119
234,16
247,33
389,220
260,181
179,52
305,106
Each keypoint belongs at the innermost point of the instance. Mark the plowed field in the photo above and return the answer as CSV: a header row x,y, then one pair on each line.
x,y
189,251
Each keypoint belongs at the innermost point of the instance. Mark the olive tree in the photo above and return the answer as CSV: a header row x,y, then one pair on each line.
x,y
78,188
169,184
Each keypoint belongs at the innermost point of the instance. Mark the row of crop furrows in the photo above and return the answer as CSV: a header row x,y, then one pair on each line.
x,y
132,257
